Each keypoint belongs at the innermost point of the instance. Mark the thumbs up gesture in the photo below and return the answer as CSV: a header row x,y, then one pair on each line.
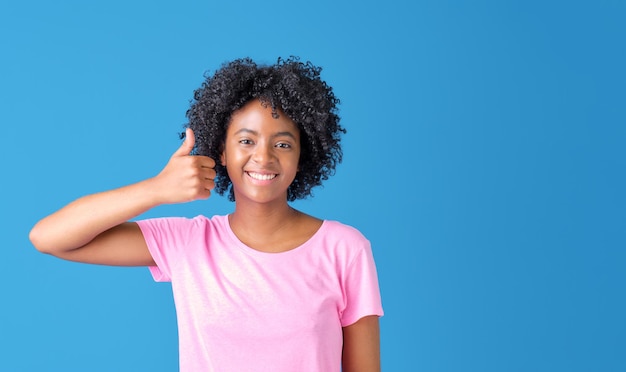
x,y
186,177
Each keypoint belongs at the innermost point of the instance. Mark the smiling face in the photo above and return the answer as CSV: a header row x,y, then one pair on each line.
x,y
261,153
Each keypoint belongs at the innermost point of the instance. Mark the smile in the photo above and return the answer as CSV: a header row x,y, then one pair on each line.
x,y
261,177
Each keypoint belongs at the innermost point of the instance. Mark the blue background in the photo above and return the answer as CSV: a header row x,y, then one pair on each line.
x,y
484,159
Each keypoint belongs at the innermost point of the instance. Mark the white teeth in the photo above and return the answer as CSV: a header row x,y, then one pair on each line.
x,y
261,177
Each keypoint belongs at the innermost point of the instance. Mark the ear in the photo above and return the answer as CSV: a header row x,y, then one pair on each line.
x,y
223,157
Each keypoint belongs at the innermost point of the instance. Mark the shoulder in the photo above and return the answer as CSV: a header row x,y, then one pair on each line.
x,y
179,224
180,234
340,231
343,241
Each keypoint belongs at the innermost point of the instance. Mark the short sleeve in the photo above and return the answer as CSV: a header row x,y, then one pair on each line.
x,y
165,238
362,292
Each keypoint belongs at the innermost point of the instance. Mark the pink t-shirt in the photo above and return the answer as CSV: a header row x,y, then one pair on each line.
x,y
243,310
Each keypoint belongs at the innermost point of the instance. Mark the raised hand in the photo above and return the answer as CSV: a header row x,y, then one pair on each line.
x,y
95,228
186,177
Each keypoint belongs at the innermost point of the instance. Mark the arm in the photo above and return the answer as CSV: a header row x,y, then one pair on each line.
x,y
94,228
361,346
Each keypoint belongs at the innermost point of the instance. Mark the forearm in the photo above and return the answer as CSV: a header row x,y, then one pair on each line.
x,y
185,178
79,222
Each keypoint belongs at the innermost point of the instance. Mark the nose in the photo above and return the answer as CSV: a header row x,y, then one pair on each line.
x,y
263,154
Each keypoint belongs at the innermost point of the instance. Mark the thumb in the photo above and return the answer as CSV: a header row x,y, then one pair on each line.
x,y
188,144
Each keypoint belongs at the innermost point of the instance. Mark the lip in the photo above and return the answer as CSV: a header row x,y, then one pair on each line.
x,y
262,176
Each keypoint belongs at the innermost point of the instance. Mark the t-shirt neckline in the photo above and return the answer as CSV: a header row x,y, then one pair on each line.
x,y
249,250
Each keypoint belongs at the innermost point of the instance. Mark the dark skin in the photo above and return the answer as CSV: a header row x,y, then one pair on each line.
x,y
261,154
258,145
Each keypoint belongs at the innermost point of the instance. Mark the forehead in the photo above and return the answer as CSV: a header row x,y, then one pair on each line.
x,y
259,117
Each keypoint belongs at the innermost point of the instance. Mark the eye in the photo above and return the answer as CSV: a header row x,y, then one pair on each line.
x,y
283,145
245,141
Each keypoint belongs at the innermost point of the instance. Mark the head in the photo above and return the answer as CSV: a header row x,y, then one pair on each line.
x,y
288,87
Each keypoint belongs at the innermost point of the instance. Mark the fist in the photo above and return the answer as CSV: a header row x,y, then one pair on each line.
x,y
186,177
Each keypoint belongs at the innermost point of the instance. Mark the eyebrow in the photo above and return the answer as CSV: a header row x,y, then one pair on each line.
x,y
278,134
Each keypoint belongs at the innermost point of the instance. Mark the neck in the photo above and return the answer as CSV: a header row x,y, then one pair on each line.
x,y
272,227
262,220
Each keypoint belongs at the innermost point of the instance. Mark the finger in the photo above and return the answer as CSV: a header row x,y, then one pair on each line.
x,y
208,174
188,144
207,162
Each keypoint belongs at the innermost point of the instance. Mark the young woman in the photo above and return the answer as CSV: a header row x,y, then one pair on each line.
x,y
266,287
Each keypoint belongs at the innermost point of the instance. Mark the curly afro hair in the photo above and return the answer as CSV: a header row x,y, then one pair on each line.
x,y
291,86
